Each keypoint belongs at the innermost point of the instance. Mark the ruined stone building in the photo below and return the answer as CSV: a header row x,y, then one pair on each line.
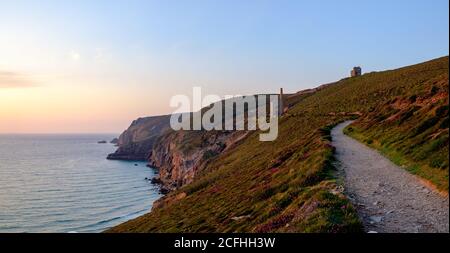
x,y
356,72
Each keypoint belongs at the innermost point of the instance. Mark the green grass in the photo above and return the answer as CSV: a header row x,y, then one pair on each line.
x,y
288,185
412,130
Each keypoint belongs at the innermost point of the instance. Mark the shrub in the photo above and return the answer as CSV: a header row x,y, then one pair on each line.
x,y
444,124
425,125
441,110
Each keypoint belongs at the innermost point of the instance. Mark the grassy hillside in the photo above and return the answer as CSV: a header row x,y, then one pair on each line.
x,y
412,130
287,185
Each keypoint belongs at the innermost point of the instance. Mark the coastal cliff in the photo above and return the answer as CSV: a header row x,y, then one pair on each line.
x,y
136,143
181,155
178,155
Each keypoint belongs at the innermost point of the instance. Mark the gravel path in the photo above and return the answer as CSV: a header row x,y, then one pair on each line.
x,y
388,198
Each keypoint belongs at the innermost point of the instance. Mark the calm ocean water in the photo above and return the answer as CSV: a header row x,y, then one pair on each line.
x,y
63,183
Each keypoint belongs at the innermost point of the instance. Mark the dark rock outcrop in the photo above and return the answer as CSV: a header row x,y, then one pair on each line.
x,y
136,143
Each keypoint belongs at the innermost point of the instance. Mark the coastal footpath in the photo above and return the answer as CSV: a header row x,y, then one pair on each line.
x,y
388,198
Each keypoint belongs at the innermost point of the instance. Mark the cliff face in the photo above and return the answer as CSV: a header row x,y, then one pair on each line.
x,y
178,155
181,155
136,143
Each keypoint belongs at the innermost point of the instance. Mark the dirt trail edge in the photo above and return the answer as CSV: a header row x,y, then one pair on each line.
x,y
388,198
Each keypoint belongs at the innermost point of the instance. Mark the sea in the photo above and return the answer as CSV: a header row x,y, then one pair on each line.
x,y
65,184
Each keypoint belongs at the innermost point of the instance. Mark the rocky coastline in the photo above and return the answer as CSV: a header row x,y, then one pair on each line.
x,y
177,155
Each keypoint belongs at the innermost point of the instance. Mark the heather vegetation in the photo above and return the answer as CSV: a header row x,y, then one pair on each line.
x,y
412,130
289,185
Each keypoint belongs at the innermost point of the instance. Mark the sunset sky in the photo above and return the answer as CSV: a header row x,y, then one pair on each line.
x,y
94,66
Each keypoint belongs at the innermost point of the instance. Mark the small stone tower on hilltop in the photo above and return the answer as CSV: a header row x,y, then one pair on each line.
x,y
356,72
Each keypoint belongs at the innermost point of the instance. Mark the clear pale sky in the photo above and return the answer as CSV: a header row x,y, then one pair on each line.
x,y
93,66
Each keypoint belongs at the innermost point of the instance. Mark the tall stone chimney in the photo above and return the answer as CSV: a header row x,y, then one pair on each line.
x,y
281,103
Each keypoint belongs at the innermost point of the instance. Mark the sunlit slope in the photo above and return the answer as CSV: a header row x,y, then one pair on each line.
x,y
412,130
287,185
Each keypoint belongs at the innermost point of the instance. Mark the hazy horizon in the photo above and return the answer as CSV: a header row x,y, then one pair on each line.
x,y
90,67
